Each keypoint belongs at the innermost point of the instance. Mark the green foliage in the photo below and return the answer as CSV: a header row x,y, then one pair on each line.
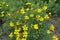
x,y
28,19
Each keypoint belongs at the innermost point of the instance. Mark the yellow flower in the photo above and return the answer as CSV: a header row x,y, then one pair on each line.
x,y
26,17
46,16
17,23
27,9
25,27
18,38
18,35
36,26
48,31
11,24
55,37
31,15
22,11
28,3
7,5
41,19
39,10
11,35
23,39
52,27
8,14
49,13
16,31
44,7
38,17
2,14
25,34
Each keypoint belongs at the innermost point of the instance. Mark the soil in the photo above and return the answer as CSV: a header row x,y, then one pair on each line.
x,y
56,22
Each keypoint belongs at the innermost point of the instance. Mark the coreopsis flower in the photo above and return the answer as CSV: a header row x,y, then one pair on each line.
x,y
2,14
23,39
18,23
22,11
25,34
41,19
27,9
39,10
31,15
36,26
38,17
28,3
48,31
18,35
7,5
45,7
52,27
25,27
26,17
16,31
11,24
8,14
11,35
18,38
50,13
46,16
55,37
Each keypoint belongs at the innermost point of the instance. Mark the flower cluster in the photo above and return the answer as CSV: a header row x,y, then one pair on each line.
x,y
29,21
